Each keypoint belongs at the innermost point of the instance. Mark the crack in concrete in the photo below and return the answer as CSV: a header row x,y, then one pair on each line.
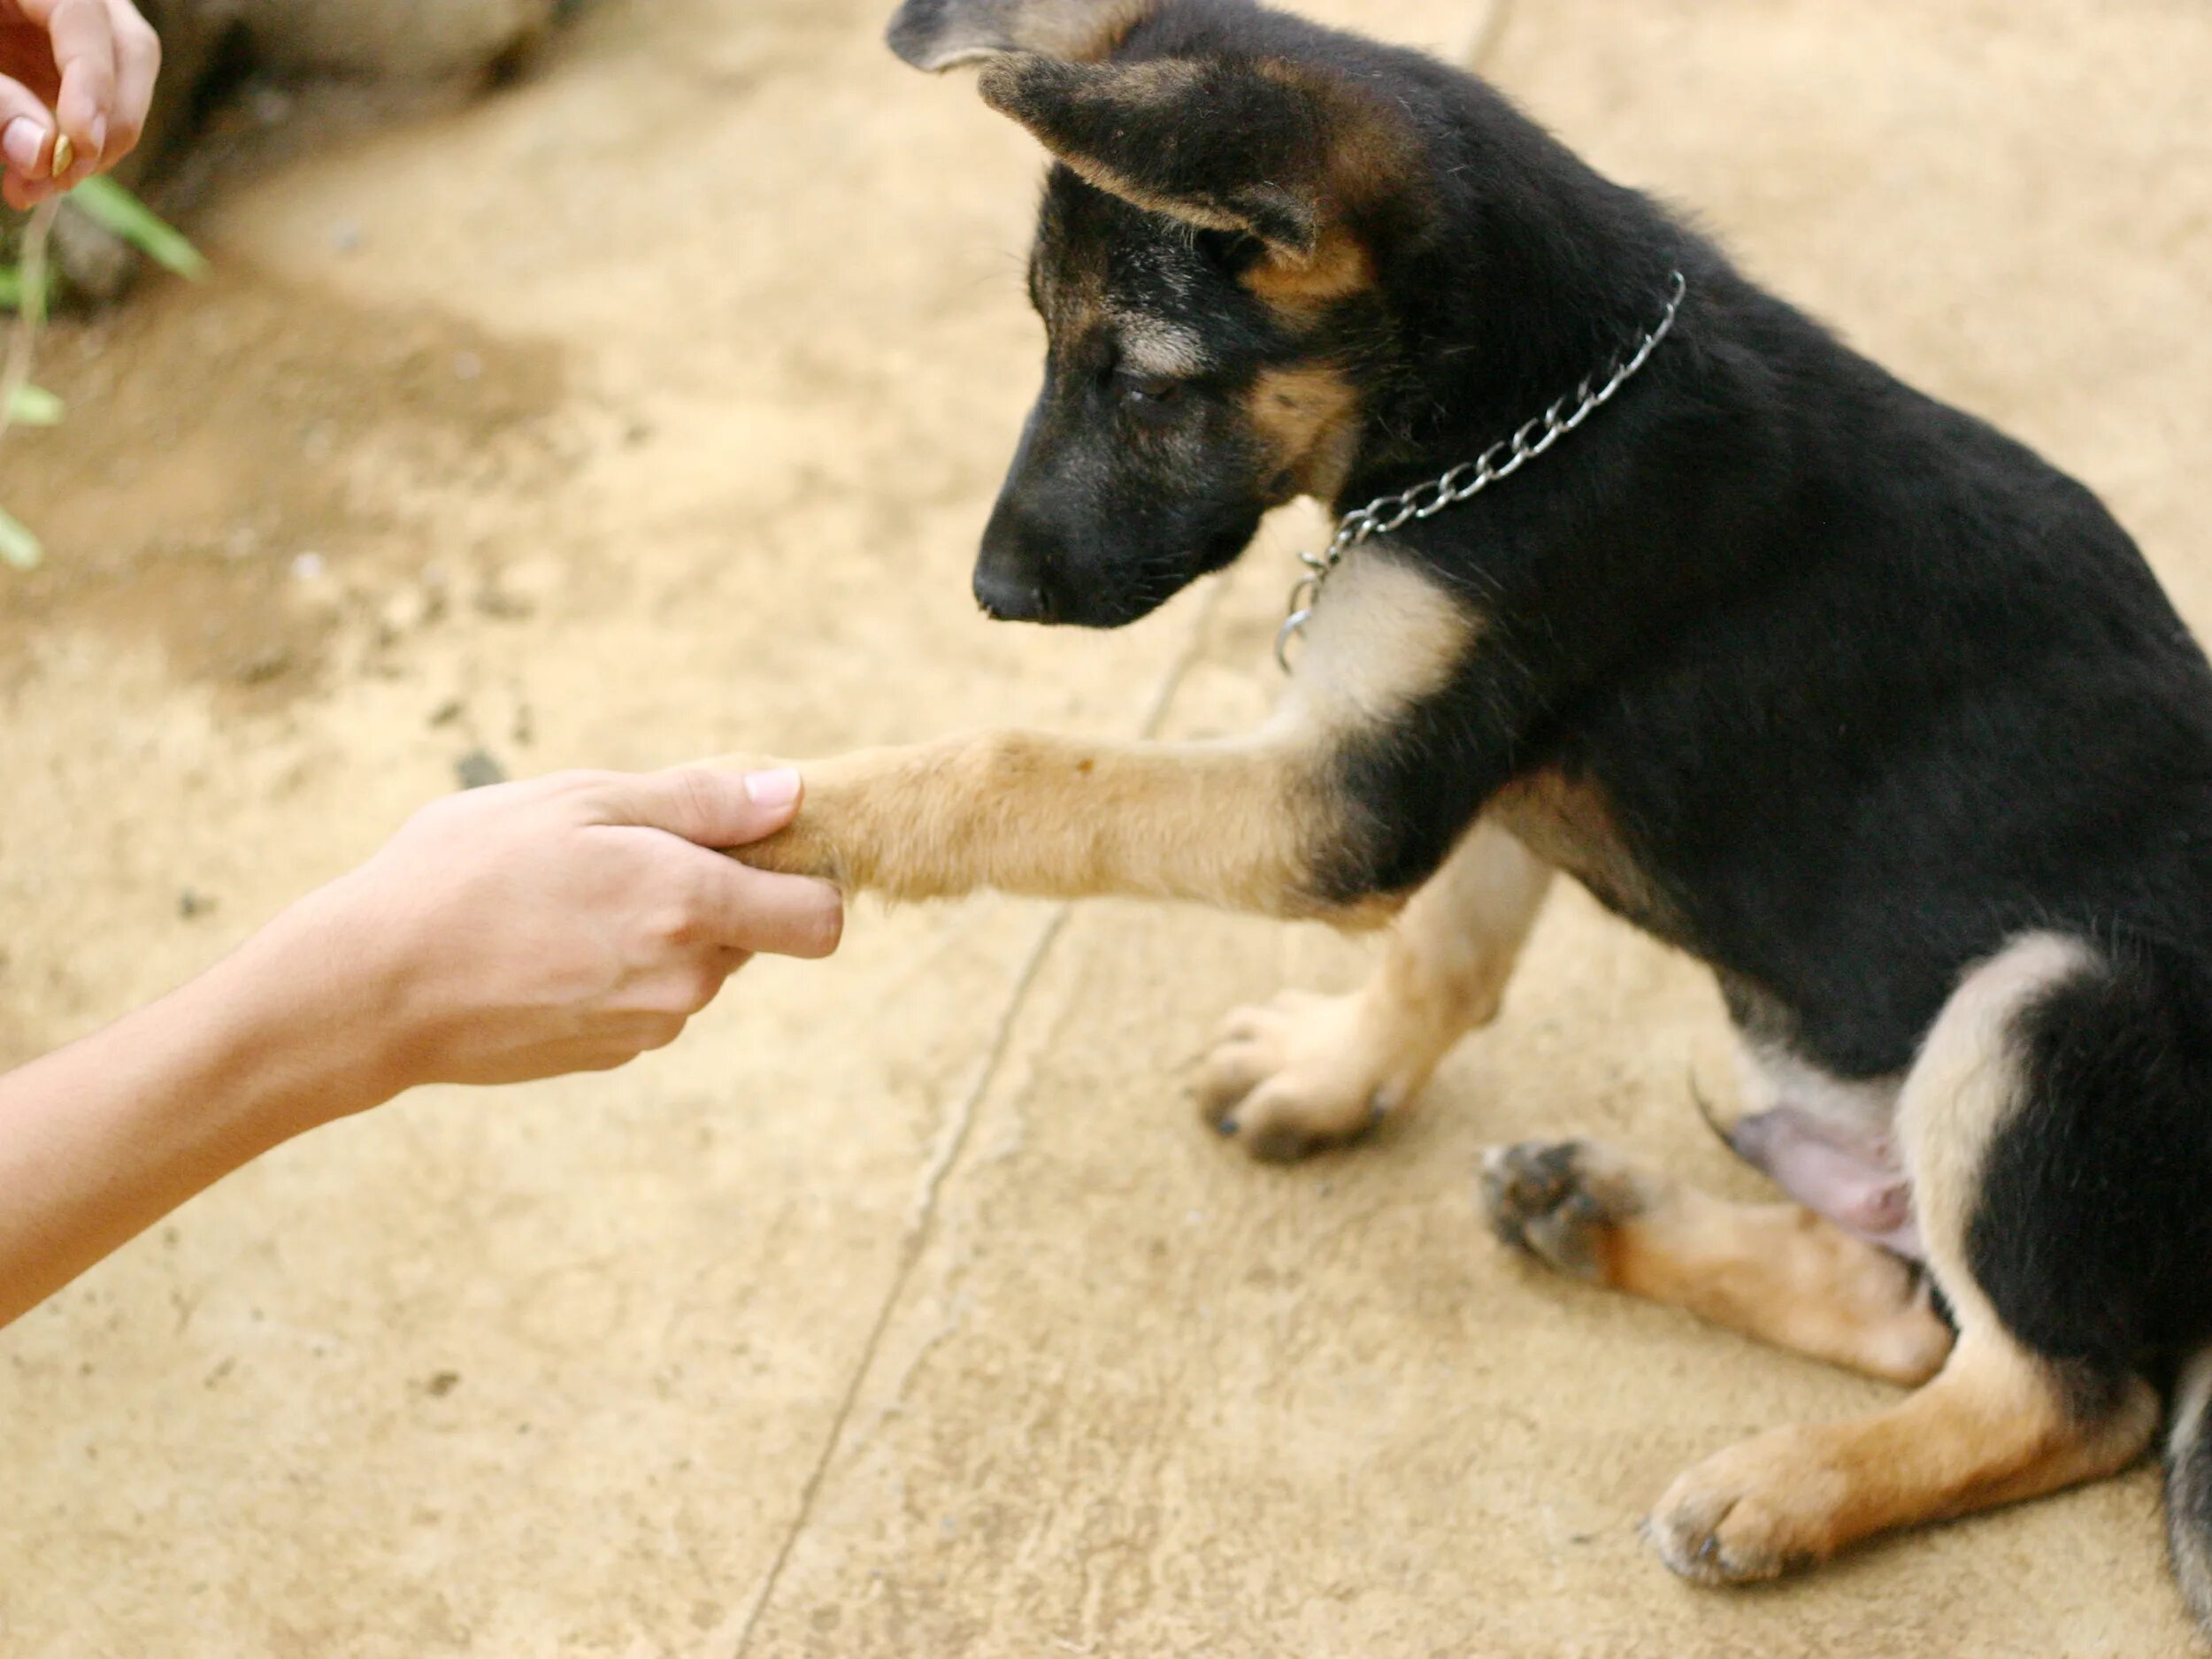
x,y
954,1144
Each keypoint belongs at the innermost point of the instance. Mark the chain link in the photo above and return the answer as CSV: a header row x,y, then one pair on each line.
x,y
1387,514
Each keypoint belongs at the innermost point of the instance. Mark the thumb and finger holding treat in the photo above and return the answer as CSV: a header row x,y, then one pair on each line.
x,y
76,79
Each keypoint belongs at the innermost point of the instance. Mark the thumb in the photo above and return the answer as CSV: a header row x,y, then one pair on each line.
x,y
716,809
27,142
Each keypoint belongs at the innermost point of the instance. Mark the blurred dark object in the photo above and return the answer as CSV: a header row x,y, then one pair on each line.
x,y
408,39
233,65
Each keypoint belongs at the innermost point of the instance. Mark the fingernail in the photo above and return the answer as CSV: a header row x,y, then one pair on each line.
x,y
780,787
21,142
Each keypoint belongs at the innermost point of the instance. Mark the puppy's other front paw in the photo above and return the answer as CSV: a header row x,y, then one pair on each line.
x,y
1299,1074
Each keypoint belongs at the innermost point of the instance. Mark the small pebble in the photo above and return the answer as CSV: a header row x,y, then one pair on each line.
x,y
309,567
264,666
502,606
190,903
447,712
477,770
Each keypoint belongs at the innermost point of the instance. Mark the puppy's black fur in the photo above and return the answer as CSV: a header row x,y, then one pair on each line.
x,y
1866,688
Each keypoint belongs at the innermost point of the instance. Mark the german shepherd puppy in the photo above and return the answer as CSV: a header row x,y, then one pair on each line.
x,y
1822,682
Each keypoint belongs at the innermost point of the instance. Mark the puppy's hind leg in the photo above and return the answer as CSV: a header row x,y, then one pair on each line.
x,y
2002,1420
1775,1272
1307,1071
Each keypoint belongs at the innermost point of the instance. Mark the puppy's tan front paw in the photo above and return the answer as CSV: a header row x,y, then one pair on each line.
x,y
1299,1074
1754,1511
800,849
803,846
1561,1200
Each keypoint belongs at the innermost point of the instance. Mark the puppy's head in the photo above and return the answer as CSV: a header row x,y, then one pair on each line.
x,y
1204,265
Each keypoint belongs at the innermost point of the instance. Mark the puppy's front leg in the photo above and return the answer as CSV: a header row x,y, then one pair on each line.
x,y
1243,825
1262,824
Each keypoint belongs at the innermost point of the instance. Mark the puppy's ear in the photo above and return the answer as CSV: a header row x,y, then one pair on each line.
x,y
1239,144
939,35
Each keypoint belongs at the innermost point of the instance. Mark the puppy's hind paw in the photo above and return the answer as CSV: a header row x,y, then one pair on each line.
x,y
1561,1200
1752,1512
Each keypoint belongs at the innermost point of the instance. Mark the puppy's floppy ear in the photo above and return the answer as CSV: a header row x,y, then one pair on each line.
x,y
1243,144
939,35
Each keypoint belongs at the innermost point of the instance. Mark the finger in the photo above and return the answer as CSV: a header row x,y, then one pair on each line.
x,y
84,52
21,196
137,66
715,809
690,987
27,138
742,909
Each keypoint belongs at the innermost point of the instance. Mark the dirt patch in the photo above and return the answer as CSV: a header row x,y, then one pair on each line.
x,y
240,464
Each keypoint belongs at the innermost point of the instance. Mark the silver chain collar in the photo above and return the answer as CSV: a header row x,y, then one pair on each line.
x,y
1468,479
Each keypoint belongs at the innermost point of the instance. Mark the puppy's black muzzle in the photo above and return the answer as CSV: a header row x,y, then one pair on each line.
x,y
1015,578
1011,596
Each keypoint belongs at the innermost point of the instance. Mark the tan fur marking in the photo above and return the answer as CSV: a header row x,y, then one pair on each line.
x,y
1309,417
1153,346
1300,289
1959,1093
1238,824
1383,638
1570,823
1782,1274
1994,1425
1306,1072
1451,955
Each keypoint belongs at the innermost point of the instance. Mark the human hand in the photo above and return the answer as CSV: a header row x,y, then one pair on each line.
x,y
83,68
568,924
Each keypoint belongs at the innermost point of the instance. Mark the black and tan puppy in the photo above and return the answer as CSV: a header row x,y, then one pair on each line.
x,y
1827,684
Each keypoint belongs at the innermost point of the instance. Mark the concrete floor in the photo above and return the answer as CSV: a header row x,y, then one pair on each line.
x,y
650,410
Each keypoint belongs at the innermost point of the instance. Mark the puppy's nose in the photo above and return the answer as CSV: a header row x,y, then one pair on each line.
x,y
1011,596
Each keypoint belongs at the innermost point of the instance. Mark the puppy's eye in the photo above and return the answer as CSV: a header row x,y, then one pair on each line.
x,y
1150,391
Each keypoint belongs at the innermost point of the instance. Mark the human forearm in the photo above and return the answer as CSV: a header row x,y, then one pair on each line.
x,y
99,1141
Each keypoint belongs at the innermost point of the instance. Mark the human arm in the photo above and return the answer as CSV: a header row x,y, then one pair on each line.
x,y
564,924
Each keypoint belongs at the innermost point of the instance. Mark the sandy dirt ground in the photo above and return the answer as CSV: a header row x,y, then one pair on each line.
x,y
650,410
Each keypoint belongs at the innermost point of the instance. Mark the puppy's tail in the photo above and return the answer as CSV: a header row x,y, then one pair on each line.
x,y
2189,1486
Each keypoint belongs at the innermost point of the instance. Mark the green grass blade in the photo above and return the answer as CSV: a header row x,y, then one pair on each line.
x,y
18,546
12,289
108,205
36,406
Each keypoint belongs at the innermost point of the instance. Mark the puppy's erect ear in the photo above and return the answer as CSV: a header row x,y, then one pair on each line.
x,y
1248,144
937,35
